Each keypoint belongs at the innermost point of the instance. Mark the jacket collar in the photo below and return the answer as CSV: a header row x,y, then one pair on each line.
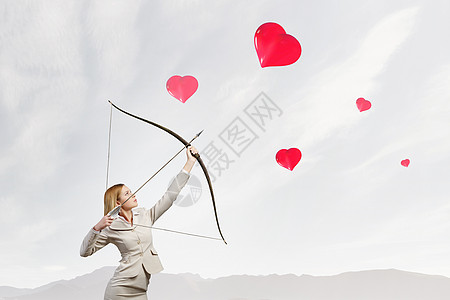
x,y
122,225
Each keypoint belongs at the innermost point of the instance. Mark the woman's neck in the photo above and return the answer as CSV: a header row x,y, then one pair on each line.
x,y
128,215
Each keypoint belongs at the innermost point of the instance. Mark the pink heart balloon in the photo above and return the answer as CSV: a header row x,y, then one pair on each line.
x,y
363,104
182,88
274,47
288,158
405,162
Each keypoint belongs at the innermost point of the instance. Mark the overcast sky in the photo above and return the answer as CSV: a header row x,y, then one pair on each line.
x,y
348,205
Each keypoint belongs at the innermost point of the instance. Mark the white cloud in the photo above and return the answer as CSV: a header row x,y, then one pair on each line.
x,y
329,104
112,32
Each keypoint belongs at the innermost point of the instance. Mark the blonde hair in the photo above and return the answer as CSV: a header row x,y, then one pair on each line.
x,y
111,196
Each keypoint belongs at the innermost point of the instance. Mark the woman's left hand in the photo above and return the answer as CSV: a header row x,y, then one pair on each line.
x,y
189,153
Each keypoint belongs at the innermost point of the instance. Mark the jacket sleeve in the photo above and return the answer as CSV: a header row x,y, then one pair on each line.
x,y
93,242
169,196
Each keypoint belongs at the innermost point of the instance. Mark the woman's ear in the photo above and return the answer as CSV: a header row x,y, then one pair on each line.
x,y
117,202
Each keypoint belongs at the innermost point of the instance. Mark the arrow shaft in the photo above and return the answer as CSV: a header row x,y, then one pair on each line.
x,y
151,177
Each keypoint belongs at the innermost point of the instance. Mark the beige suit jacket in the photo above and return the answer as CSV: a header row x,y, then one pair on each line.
x,y
135,243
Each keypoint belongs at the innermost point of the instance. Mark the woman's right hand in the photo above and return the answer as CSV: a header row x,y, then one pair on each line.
x,y
103,223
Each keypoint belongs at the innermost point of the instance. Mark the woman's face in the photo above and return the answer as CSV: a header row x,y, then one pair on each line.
x,y
124,195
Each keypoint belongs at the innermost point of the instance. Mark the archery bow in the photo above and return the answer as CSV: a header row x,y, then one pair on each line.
x,y
186,144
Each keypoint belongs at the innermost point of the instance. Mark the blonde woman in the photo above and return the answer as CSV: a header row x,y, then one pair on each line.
x,y
135,243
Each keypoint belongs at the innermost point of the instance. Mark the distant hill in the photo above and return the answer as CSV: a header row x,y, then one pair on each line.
x,y
364,285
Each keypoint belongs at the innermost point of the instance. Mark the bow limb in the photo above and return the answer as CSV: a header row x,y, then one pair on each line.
x,y
205,171
186,144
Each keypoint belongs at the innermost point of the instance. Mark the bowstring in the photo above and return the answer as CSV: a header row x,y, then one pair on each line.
x,y
109,147
180,232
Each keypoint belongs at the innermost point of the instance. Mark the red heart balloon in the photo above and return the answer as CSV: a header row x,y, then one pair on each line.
x,y
182,88
274,47
363,104
288,158
405,162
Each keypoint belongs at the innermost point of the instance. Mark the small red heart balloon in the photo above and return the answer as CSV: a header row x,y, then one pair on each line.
x,y
405,162
288,158
274,47
363,104
182,88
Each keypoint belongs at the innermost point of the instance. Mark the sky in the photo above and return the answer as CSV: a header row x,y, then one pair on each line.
x,y
347,206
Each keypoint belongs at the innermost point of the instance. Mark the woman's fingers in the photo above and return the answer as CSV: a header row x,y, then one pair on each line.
x,y
192,150
104,222
107,220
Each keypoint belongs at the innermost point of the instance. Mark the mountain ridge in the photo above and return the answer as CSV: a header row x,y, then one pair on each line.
x,y
381,284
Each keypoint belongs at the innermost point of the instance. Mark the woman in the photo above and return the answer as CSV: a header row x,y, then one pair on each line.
x,y
135,243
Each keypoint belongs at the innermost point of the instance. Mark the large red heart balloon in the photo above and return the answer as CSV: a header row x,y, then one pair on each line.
x,y
288,158
363,104
182,88
405,162
274,47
